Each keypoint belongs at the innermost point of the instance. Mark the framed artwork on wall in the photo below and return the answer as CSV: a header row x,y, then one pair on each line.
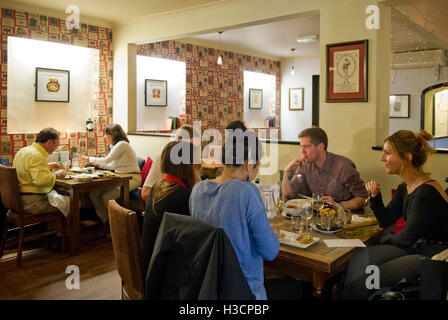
x,y
156,93
52,85
347,70
255,98
296,98
399,105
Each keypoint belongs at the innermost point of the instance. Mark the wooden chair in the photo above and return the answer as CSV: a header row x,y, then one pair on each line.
x,y
12,200
126,242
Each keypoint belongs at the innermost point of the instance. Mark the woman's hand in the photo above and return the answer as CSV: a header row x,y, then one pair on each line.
x,y
373,188
54,165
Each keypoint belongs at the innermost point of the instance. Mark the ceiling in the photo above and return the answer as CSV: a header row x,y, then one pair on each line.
x,y
118,11
274,39
416,25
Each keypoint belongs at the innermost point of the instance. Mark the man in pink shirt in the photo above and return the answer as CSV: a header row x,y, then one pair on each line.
x,y
320,171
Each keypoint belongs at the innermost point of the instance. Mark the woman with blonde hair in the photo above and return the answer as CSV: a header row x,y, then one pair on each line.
x,y
422,203
122,159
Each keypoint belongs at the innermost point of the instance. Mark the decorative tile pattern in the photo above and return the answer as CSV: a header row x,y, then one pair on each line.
x,y
40,27
214,94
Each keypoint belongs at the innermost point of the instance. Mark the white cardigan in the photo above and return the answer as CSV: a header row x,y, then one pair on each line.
x,y
121,158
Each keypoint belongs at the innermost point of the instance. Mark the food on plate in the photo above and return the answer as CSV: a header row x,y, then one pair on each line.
x,y
305,238
358,219
328,211
83,176
290,206
362,232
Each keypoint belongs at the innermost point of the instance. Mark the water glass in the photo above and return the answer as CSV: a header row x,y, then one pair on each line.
x,y
344,216
296,222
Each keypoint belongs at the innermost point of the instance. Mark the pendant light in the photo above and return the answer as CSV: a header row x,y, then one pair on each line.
x,y
219,62
292,57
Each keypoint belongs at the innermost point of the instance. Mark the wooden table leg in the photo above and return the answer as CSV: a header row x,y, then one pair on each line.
x,y
318,282
74,223
124,194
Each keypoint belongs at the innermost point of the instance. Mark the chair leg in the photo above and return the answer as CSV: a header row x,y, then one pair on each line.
x,y
20,246
3,241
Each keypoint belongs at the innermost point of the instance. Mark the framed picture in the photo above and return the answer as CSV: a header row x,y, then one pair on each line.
x,y
399,105
296,98
255,98
156,93
347,70
52,85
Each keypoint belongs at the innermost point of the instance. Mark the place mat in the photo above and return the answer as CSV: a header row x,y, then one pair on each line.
x,y
359,233
344,243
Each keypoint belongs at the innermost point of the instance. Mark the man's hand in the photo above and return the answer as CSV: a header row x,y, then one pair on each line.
x,y
327,199
60,174
54,166
291,168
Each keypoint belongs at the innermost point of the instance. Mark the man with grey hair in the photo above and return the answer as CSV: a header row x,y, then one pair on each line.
x,y
34,173
320,171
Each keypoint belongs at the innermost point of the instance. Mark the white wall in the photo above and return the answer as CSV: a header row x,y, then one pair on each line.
x,y
413,82
254,80
295,121
154,118
25,115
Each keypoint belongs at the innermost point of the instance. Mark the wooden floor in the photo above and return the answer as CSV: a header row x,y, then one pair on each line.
x,y
42,275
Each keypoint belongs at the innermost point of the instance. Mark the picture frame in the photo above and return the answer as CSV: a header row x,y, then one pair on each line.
x,y
399,105
255,98
52,85
296,99
347,71
156,93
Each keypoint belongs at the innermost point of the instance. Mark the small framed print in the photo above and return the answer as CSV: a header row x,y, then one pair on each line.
x,y
399,105
347,71
296,98
255,98
52,85
156,92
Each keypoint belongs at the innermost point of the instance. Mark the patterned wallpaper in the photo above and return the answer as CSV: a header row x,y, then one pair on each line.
x,y
214,94
40,27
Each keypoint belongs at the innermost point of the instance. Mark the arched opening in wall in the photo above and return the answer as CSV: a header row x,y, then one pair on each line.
x,y
434,113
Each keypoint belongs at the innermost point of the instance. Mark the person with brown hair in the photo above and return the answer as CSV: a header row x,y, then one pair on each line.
x,y
171,193
122,159
155,173
320,171
420,200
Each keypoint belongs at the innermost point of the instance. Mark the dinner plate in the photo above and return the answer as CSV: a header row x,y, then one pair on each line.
x,y
318,229
76,169
290,240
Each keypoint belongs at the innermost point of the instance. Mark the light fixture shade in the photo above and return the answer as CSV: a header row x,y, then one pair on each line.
x,y
307,39
219,60
292,70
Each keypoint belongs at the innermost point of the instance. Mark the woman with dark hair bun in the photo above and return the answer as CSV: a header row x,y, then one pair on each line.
x,y
420,200
234,204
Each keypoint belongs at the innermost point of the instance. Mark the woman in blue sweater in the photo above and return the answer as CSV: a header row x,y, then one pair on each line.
x,y
234,204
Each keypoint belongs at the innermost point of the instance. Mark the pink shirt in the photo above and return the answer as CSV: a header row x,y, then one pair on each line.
x,y
337,178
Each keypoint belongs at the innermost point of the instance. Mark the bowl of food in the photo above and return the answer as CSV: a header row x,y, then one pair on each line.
x,y
84,178
295,207
327,219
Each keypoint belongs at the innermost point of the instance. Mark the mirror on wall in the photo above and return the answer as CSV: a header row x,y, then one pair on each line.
x,y
435,110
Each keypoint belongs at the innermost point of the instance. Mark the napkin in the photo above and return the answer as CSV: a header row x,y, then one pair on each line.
x,y
344,243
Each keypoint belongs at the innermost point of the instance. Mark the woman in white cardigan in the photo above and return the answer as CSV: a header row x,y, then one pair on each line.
x,y
122,159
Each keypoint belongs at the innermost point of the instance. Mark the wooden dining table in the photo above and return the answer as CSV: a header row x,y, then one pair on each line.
x,y
315,264
74,188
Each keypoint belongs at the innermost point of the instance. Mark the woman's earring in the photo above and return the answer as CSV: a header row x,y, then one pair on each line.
x,y
247,178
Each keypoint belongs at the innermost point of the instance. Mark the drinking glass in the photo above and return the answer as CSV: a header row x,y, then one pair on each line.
x,y
296,222
269,201
307,218
344,216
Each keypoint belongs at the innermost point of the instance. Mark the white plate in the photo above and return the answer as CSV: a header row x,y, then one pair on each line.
x,y
325,231
76,169
290,240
